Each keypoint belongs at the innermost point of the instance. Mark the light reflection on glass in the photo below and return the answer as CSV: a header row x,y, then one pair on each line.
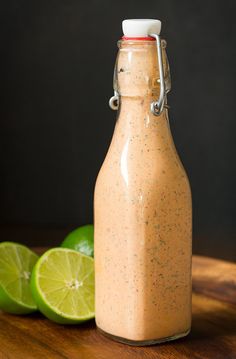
x,y
124,164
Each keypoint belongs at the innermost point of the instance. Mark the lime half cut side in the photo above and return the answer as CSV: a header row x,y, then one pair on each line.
x,y
16,264
62,284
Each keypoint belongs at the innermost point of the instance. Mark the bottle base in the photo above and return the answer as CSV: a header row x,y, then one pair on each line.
x,y
140,343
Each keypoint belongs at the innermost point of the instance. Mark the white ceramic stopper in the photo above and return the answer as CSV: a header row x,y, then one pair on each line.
x,y
141,27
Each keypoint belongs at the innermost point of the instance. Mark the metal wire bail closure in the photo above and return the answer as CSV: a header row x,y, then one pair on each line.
x,y
157,107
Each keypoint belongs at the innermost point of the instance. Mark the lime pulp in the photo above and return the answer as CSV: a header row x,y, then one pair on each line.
x,y
16,264
62,284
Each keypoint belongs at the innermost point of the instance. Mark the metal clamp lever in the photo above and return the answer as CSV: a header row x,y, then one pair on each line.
x,y
157,107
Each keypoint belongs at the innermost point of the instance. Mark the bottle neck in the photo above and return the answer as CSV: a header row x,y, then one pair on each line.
x,y
136,81
137,71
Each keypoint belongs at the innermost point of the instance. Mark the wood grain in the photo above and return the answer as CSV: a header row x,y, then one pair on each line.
x,y
213,332
215,278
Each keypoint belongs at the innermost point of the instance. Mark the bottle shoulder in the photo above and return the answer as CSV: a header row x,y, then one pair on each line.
x,y
161,186
142,151
143,171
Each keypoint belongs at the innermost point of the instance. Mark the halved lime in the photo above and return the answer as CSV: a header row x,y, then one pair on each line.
x,y
81,240
16,263
62,285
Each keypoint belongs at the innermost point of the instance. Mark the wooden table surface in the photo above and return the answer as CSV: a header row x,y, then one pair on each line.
x,y
213,332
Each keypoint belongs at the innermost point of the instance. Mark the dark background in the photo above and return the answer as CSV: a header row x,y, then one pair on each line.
x,y
55,128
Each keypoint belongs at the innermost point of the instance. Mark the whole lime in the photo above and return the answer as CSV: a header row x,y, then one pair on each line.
x,y
81,240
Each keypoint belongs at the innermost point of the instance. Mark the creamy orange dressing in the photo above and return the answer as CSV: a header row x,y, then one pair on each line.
x,y
143,214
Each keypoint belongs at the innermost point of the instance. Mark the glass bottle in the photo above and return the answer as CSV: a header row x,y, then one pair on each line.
x,y
142,206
